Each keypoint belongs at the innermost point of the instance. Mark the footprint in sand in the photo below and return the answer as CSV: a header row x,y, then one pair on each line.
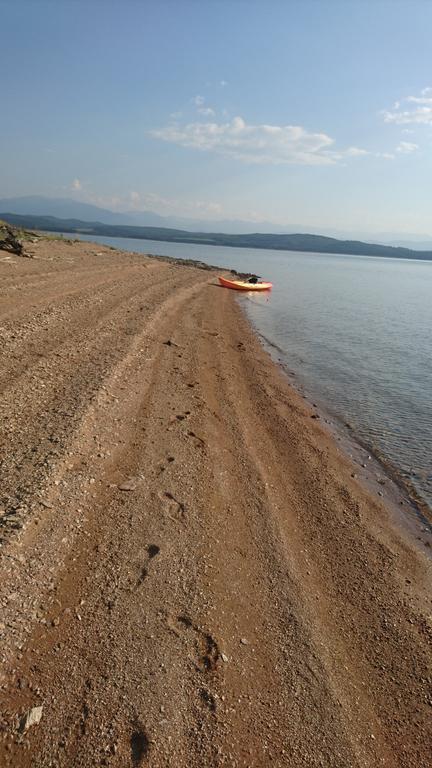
x,y
152,551
179,416
208,699
198,441
175,509
206,649
162,466
183,416
139,744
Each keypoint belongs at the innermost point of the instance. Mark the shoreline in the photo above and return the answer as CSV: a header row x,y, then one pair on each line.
x,y
403,494
186,549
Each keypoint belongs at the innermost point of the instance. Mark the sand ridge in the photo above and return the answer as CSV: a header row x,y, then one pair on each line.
x,y
190,575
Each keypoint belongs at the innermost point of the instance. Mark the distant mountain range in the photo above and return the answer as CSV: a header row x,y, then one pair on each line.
x,y
66,208
291,242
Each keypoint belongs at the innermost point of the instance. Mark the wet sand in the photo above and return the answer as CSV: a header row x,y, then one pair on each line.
x,y
189,573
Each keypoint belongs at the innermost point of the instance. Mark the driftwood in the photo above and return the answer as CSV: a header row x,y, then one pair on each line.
x,y
10,242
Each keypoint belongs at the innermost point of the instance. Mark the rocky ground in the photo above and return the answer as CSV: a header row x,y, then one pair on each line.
x,y
190,575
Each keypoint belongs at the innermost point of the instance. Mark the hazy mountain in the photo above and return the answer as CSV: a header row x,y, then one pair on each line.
x,y
227,226
64,208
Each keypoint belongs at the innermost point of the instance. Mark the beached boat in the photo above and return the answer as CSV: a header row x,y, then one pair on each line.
x,y
244,285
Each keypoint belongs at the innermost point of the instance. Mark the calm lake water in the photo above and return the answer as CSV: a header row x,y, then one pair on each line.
x,y
356,331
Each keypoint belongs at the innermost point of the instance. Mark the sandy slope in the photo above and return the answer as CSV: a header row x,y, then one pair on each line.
x,y
242,601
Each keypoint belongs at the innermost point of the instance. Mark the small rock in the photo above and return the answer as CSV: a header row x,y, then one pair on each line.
x,y
128,485
244,641
224,657
32,717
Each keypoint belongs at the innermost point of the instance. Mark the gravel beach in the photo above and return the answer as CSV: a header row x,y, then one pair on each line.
x,y
191,574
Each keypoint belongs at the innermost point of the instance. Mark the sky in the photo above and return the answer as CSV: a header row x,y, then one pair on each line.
x,y
315,113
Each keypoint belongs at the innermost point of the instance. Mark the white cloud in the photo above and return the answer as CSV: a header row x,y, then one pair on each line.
x,y
356,152
76,185
199,102
206,111
179,207
406,147
271,144
209,207
411,110
223,83
113,202
166,206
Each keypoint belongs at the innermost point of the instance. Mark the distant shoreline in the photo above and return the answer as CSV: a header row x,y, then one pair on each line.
x,y
303,243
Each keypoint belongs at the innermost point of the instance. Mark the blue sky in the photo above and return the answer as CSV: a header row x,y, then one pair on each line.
x,y
311,113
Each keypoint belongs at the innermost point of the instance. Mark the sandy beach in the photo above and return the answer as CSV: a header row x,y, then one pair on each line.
x,y
191,573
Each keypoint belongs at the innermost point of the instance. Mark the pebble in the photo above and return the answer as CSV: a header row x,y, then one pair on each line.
x,y
128,485
31,717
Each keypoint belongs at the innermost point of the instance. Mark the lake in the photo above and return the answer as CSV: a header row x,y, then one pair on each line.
x,y
356,331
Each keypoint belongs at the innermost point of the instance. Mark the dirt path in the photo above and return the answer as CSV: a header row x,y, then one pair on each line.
x,y
190,575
